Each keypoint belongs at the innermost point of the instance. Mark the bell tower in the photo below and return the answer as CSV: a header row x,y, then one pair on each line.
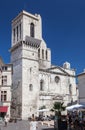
x,y
26,39
26,25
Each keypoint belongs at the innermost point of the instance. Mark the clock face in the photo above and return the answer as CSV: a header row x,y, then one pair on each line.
x,y
57,79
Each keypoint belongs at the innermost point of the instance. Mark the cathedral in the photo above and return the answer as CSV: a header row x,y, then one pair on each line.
x,y
36,82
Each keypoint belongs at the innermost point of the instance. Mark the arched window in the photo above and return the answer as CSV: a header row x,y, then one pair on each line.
x,y
32,30
70,89
46,55
41,85
57,79
30,87
39,53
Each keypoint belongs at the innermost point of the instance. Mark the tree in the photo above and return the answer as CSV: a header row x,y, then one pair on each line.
x,y
58,107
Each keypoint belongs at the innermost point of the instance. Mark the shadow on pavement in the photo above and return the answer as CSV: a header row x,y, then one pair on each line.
x,y
48,129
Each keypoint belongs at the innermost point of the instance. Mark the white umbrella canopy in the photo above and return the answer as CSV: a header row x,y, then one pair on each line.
x,y
73,107
43,110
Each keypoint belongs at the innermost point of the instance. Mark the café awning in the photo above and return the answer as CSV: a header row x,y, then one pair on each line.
x,y
3,108
76,106
43,110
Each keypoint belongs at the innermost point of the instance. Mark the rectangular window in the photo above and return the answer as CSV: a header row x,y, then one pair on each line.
x,y
3,96
4,68
20,30
46,55
17,33
14,35
42,54
4,80
39,53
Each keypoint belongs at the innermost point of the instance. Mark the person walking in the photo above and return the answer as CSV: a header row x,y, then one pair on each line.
x,y
6,120
33,124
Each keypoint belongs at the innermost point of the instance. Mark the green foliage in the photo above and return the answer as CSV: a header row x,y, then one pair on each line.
x,y
58,107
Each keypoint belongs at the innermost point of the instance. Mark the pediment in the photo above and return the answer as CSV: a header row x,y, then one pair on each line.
x,y
57,69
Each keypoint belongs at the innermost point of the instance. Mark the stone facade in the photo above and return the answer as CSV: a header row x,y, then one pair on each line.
x,y
5,86
37,83
81,87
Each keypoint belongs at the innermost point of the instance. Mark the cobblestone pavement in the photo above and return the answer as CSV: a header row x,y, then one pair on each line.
x,y
22,125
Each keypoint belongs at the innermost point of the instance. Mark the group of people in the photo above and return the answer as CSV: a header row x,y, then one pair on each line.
x,y
75,122
4,120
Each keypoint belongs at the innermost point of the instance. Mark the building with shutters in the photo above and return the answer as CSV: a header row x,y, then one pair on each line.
x,y
5,88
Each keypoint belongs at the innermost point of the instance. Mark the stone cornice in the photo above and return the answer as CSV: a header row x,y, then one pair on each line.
x,y
25,58
54,95
58,67
16,46
6,86
31,42
26,14
58,73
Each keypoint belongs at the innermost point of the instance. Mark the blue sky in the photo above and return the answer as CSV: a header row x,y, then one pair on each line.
x,y
63,28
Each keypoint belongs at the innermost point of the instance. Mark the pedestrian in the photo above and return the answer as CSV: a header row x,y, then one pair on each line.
x,y
33,124
70,120
6,120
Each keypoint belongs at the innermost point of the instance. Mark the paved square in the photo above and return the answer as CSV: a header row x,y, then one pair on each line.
x,y
21,125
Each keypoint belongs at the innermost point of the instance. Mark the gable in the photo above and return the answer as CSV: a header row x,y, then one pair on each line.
x,y
58,69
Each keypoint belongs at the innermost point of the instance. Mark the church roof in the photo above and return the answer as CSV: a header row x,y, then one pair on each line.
x,y
33,41
81,74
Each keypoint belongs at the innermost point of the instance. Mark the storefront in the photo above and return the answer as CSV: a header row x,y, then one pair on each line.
x,y
3,111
